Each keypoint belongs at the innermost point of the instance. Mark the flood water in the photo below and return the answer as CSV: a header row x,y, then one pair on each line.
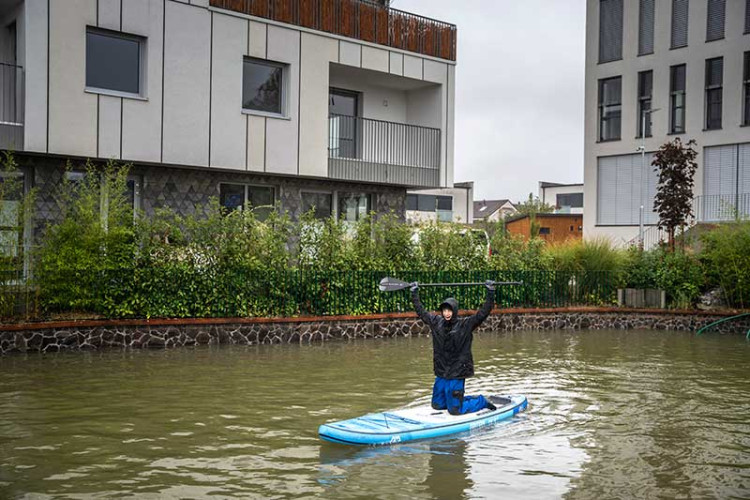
x,y
611,414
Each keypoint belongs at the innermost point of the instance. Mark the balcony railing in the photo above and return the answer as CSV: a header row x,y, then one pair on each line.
x,y
360,19
11,106
721,207
362,149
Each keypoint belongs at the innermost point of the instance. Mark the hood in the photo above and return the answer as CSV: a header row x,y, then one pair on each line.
x,y
452,304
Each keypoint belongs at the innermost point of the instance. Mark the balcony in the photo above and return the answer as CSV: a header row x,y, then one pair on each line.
x,y
359,19
362,149
721,207
11,106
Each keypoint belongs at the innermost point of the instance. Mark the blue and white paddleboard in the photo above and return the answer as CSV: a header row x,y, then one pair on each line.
x,y
422,422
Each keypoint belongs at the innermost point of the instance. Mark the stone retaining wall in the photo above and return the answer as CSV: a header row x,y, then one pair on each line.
x,y
52,337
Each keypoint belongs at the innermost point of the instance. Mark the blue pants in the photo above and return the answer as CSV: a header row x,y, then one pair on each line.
x,y
448,394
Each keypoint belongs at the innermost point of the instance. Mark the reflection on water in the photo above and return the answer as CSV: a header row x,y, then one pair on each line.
x,y
611,414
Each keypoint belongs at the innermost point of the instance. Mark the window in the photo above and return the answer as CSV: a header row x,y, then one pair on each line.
x,y
353,207
646,28
259,199
746,90
679,23
263,86
645,88
715,20
714,91
321,203
426,202
445,203
411,202
11,225
610,91
572,200
544,230
726,177
624,184
114,62
610,30
747,16
677,99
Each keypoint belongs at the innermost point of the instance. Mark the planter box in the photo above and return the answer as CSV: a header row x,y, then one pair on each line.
x,y
642,298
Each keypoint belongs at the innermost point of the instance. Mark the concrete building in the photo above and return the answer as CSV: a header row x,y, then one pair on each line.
x,y
566,198
493,210
655,71
446,204
253,102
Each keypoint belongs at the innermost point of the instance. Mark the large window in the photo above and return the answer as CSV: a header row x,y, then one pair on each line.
x,y
263,86
610,30
320,203
646,27
353,207
610,109
645,89
114,62
746,90
624,184
715,20
714,92
679,23
572,200
677,99
726,182
747,16
259,199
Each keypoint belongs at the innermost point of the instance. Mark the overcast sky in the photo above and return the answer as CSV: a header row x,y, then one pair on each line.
x,y
519,95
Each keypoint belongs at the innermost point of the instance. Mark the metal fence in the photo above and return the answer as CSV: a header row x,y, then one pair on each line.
x,y
11,106
370,150
185,292
721,207
360,19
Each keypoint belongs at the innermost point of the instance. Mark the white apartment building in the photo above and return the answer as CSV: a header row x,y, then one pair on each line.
x,y
339,105
453,204
565,198
676,68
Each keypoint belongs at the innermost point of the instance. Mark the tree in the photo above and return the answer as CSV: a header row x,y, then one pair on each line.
x,y
533,205
675,164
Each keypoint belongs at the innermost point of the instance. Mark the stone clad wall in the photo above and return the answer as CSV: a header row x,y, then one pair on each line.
x,y
178,333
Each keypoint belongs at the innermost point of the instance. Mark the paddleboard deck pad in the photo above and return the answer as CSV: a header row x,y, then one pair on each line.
x,y
422,422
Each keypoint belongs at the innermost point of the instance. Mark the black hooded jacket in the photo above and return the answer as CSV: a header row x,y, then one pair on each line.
x,y
451,340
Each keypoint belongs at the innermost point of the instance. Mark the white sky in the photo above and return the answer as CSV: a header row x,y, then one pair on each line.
x,y
519,91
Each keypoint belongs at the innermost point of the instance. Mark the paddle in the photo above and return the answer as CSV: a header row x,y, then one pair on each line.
x,y
389,284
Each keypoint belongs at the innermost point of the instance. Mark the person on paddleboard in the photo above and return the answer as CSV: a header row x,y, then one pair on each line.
x,y
451,352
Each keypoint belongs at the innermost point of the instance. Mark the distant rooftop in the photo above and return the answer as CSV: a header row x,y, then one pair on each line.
x,y
486,207
366,20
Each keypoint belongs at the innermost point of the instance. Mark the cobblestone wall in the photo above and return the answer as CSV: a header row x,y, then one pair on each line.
x,y
246,332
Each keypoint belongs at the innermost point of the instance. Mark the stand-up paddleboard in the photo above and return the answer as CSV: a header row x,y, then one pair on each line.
x,y
422,422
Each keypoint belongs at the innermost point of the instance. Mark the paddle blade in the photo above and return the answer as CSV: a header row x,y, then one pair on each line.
x,y
389,284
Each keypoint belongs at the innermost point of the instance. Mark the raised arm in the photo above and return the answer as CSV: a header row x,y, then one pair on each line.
x,y
426,317
476,319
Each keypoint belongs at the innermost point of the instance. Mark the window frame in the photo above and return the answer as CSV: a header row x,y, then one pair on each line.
x,y
246,198
142,64
604,107
673,94
645,104
713,89
284,104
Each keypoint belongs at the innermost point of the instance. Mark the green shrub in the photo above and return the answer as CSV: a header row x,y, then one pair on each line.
x,y
726,257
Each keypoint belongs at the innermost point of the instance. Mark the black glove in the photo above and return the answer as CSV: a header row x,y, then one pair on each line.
x,y
413,286
490,285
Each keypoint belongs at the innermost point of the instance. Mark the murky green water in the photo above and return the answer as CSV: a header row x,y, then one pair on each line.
x,y
611,415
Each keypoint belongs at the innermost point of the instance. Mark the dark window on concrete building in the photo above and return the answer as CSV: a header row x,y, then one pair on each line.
x,y
259,199
445,203
610,30
747,16
114,61
646,27
411,202
679,23
353,207
645,89
263,86
321,203
746,90
715,20
572,200
11,224
714,92
677,99
426,202
610,109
